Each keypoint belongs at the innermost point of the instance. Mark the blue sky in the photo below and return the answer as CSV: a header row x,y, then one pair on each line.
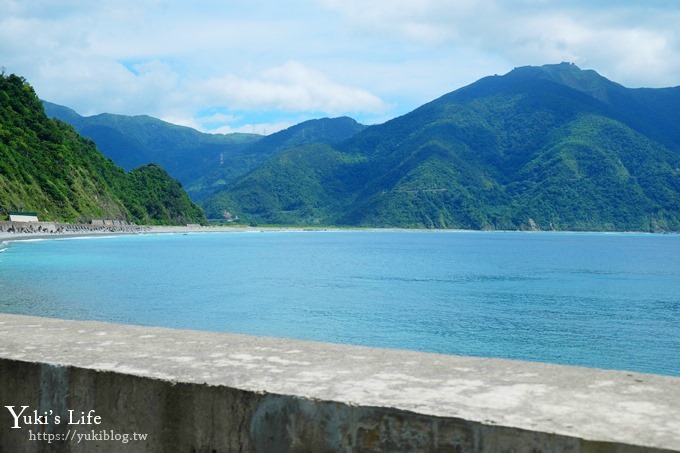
x,y
262,65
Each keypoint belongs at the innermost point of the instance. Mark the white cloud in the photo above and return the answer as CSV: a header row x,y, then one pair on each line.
x,y
227,124
634,56
268,62
294,87
633,42
426,22
258,128
77,82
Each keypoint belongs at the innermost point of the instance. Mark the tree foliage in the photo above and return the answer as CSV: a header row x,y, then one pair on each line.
x,y
46,167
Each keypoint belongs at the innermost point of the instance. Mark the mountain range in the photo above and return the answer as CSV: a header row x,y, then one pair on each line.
x,y
553,147
132,141
203,162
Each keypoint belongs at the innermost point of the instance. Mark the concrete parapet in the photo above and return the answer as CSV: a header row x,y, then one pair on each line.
x,y
191,391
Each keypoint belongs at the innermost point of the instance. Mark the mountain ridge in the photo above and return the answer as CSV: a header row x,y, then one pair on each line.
x,y
132,141
203,162
518,151
328,131
541,147
46,167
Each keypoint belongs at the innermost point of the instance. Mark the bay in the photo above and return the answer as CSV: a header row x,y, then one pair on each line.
x,y
589,299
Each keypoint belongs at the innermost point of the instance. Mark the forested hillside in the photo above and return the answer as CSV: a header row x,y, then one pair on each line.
x,y
203,162
328,131
133,141
551,147
47,167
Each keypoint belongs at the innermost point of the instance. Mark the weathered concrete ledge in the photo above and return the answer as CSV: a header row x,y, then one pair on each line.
x,y
209,392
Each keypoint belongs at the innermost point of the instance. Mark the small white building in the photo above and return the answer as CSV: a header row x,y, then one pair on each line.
x,y
23,217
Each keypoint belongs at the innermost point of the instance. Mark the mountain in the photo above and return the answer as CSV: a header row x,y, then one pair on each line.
x,y
131,141
550,147
328,131
203,162
45,166
153,196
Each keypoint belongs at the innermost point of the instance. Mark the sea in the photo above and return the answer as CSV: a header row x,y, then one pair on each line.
x,y
588,299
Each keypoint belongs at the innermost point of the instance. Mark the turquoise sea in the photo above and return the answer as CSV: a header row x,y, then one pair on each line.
x,y
591,299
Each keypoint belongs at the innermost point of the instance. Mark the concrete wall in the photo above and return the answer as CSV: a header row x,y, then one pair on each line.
x,y
27,227
205,392
23,218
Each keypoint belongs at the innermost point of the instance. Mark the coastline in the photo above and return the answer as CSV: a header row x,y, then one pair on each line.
x,y
44,230
49,230
11,237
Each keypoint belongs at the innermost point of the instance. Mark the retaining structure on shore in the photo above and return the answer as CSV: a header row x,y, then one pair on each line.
x,y
189,391
68,228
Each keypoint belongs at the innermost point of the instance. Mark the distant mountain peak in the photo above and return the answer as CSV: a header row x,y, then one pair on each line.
x,y
561,70
569,74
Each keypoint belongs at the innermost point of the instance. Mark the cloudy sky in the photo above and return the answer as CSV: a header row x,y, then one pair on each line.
x,y
261,65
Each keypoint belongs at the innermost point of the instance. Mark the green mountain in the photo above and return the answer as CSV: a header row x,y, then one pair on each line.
x,y
204,163
131,141
328,131
153,196
45,166
551,147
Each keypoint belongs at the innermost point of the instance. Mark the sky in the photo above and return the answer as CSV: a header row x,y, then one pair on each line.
x,y
260,66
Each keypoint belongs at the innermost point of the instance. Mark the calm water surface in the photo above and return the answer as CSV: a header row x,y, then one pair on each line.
x,y
601,300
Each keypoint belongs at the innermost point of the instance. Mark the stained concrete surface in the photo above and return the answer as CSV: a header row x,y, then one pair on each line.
x,y
242,393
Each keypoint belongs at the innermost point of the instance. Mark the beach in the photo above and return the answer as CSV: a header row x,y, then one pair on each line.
x,y
16,231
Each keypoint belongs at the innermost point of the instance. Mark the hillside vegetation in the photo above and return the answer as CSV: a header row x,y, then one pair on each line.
x,y
553,147
204,163
47,167
550,147
133,141
237,163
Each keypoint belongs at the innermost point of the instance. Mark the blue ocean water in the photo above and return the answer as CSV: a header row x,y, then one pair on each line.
x,y
590,299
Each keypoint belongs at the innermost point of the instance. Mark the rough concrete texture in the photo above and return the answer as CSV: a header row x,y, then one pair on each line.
x,y
203,392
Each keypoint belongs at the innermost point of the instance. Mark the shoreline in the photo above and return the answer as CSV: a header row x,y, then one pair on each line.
x,y
83,232
40,231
